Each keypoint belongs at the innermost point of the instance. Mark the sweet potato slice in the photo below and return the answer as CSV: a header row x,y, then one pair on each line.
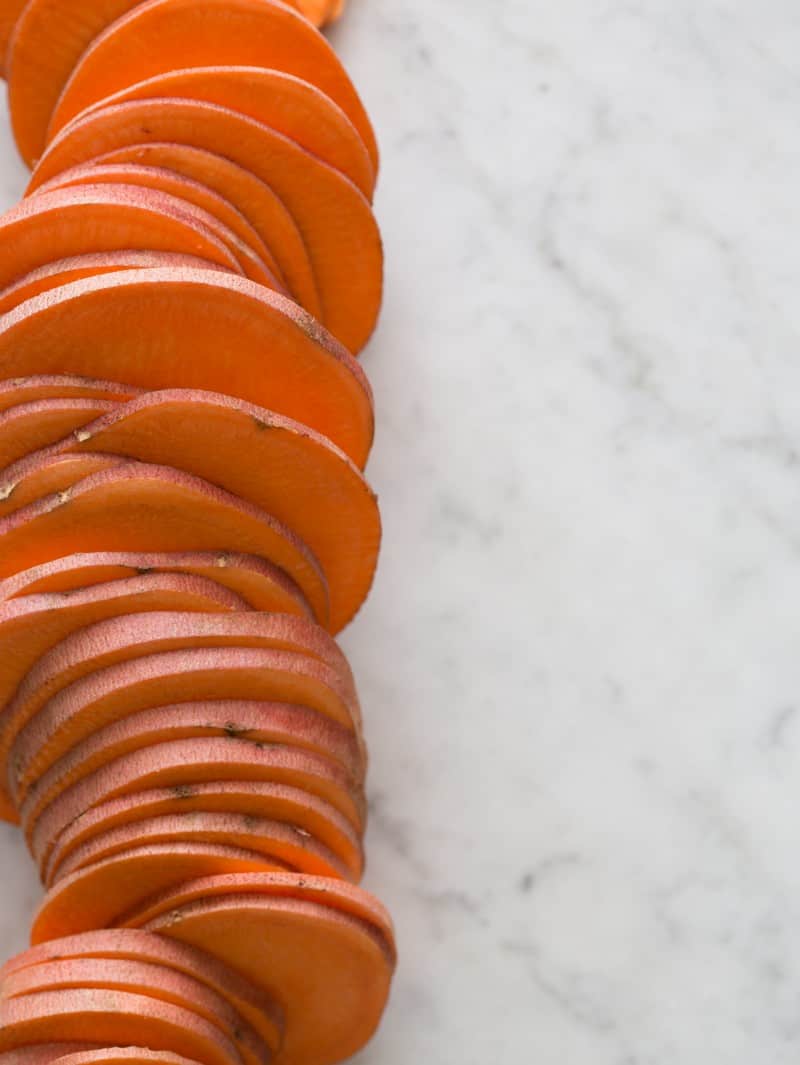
x,y
112,1017
27,482
160,35
166,181
43,1053
112,217
140,684
291,472
320,12
99,896
338,895
160,329
253,198
330,971
133,506
10,10
150,979
28,427
336,757
61,386
106,218
275,840
121,639
118,1056
79,267
181,764
133,945
260,585
285,103
278,802
51,476
336,222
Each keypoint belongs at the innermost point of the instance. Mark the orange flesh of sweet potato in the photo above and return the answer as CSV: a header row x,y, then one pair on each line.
x,y
320,12
159,329
336,223
100,896
10,10
329,970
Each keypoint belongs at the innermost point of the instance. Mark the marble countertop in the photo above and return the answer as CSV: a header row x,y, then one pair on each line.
x,y
580,663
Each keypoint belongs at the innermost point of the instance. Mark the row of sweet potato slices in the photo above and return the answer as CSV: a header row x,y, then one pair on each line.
x,y
227,131
180,736
174,713
187,983
184,760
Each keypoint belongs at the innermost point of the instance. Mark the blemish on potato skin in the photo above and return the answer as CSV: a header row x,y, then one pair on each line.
x,y
183,791
313,329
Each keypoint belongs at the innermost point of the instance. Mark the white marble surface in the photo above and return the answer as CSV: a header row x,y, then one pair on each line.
x,y
580,664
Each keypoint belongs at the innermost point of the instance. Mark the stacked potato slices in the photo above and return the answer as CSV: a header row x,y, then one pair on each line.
x,y
185,525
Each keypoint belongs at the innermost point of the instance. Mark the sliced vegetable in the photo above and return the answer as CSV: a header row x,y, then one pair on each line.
x,y
261,585
158,329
